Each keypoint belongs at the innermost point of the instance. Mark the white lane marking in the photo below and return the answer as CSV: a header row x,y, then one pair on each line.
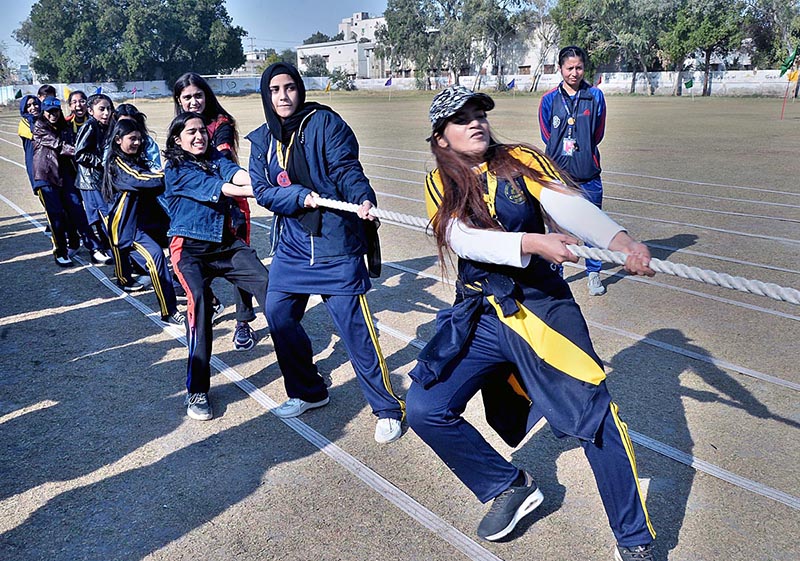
x,y
386,489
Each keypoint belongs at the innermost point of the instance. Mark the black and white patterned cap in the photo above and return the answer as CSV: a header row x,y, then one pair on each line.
x,y
448,102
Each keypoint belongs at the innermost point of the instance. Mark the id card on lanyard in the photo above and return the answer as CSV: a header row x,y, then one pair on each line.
x,y
569,144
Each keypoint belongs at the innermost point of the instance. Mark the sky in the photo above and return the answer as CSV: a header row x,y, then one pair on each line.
x,y
269,23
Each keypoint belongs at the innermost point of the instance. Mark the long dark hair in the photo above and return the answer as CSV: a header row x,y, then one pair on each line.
x,y
213,108
121,129
463,190
173,153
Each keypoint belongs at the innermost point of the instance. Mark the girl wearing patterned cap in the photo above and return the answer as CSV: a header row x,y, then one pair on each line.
x,y
515,333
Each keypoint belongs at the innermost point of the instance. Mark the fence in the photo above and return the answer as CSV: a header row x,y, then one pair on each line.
x,y
766,83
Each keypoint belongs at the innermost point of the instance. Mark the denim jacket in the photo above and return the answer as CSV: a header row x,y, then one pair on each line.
x,y
196,206
331,150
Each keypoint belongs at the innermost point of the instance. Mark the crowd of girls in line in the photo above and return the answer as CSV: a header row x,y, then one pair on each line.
x,y
507,211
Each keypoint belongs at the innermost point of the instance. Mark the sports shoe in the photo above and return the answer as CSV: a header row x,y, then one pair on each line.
x,y
218,308
244,338
295,407
198,407
135,286
388,430
176,317
596,287
64,261
509,507
100,258
635,553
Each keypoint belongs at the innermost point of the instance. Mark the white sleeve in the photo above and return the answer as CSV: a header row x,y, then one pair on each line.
x,y
580,217
486,246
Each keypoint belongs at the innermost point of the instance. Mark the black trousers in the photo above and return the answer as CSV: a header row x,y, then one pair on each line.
x,y
196,263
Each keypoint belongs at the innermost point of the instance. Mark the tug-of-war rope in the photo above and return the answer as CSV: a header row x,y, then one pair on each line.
x,y
771,290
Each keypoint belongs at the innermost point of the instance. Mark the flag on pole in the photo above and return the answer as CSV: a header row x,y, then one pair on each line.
x,y
328,87
511,84
792,76
688,83
18,95
388,82
99,90
787,64
67,91
134,90
599,80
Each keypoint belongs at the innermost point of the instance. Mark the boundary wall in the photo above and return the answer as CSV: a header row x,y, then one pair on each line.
x,y
766,83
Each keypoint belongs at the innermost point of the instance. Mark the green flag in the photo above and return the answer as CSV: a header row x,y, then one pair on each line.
x,y
787,64
688,84
18,94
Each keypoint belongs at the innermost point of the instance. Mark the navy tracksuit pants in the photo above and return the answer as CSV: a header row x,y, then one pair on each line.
x,y
149,255
353,321
196,263
435,414
64,210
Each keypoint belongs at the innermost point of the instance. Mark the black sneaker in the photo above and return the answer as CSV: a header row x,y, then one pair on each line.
x,y
244,338
198,407
176,317
134,286
509,507
64,261
635,553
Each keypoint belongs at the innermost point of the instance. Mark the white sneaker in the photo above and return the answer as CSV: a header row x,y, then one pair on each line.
x,y
295,407
100,258
596,287
388,430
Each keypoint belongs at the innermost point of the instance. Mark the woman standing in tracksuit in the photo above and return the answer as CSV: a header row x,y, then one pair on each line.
x,y
304,151
132,190
572,121
54,182
200,188
29,109
192,93
515,333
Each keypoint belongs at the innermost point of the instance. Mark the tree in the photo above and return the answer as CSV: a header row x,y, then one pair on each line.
x,y
5,65
773,26
408,38
715,28
316,66
97,40
319,37
535,22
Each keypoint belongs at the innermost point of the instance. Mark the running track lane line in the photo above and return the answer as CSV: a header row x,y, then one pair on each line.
x,y
383,487
386,489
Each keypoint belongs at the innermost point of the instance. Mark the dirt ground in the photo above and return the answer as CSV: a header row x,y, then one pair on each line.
x,y
99,462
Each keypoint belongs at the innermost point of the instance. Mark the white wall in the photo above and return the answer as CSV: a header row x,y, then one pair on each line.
x,y
734,83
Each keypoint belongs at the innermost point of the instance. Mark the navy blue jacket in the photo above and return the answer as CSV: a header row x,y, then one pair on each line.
x,y
137,188
196,206
331,150
590,125
25,131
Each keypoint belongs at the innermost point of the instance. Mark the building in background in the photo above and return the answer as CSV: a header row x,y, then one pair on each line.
x,y
355,54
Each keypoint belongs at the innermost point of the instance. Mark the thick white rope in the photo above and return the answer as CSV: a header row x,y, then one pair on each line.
x,y
771,290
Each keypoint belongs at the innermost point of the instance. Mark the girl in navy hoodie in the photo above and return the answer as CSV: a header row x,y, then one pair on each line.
x,y
54,183
133,188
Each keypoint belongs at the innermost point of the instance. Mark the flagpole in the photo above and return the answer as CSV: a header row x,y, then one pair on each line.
x,y
783,107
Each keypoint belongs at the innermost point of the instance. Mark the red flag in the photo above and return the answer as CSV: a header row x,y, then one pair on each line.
x,y
599,80
133,91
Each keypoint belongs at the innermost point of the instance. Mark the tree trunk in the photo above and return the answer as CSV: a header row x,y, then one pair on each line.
x,y
707,74
633,82
677,88
650,86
